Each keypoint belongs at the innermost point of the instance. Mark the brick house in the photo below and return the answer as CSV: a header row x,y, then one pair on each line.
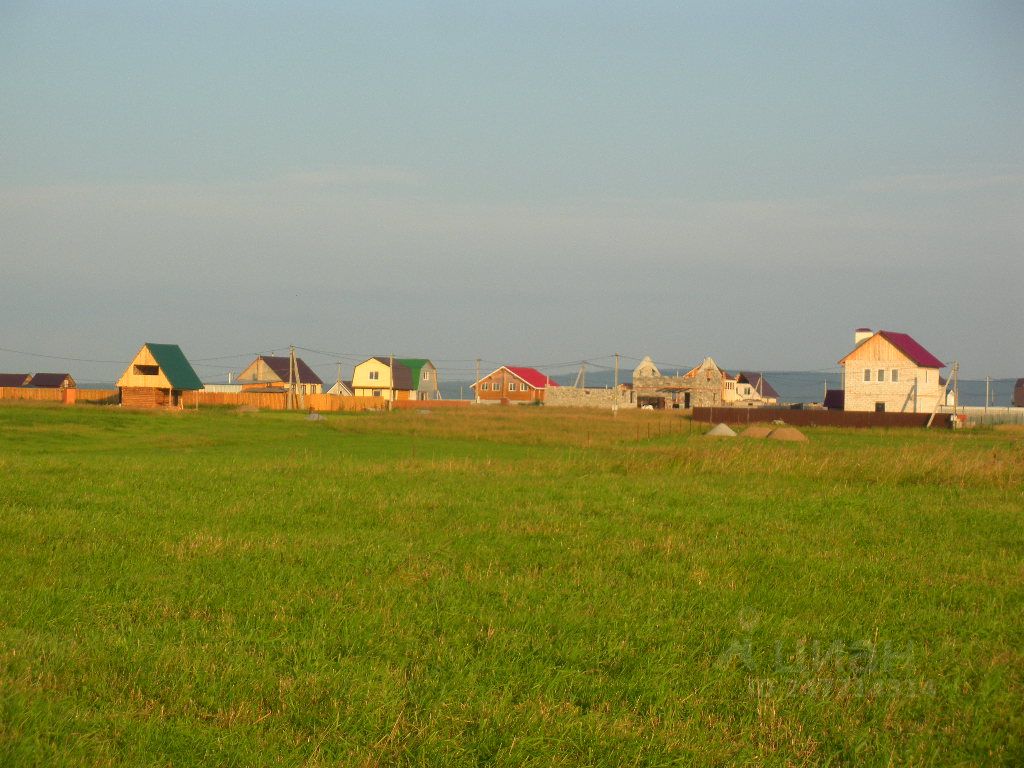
x,y
513,384
890,372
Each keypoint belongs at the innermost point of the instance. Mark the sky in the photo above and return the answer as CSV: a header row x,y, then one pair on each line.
x,y
532,183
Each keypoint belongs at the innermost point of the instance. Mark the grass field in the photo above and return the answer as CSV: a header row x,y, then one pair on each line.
x,y
515,587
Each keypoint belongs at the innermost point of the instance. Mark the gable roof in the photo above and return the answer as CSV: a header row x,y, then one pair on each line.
x,y
401,376
415,365
175,366
14,379
281,365
759,383
50,380
906,344
531,376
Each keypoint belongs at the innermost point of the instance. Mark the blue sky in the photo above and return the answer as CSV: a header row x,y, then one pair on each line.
x,y
516,182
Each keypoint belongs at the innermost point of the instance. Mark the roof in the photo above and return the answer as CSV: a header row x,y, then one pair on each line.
x,y
759,383
49,380
415,365
532,376
835,399
401,375
13,379
281,366
175,366
906,344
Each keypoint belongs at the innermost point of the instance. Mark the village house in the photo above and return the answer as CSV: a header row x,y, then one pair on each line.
x,y
52,381
14,379
343,388
890,372
750,389
157,377
407,378
513,384
703,385
270,374
1018,394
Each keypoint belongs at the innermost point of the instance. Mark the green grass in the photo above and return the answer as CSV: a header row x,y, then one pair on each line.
x,y
512,587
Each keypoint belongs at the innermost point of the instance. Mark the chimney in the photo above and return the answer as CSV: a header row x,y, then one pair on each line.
x,y
862,334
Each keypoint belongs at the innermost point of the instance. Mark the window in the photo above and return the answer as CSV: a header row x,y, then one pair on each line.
x,y
376,393
895,375
147,370
879,407
867,374
374,375
426,375
511,386
881,374
524,387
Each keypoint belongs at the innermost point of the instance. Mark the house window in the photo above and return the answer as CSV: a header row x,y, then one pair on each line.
x,y
879,407
426,375
147,370
374,375
881,374
895,375
376,393
867,374
524,387
511,386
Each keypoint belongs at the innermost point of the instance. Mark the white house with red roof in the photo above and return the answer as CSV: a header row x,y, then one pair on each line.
x,y
890,371
513,384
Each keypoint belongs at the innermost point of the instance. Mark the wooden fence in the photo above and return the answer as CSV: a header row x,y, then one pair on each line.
x,y
817,418
277,401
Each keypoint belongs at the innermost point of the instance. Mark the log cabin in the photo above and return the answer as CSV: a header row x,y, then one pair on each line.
x,y
157,377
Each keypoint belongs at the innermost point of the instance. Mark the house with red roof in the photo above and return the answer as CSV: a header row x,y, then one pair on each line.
x,y
513,384
891,372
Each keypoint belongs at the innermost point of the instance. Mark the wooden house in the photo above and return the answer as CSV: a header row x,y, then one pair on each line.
x,y
52,381
270,374
513,384
157,377
343,388
407,378
890,372
15,379
1018,394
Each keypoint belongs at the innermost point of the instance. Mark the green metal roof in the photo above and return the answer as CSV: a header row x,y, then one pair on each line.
x,y
175,367
415,365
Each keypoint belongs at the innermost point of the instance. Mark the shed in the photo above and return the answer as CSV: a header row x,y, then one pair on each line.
x,y
53,381
14,379
156,377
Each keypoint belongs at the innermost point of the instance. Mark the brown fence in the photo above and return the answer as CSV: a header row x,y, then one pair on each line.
x,y
96,396
277,401
27,393
817,418
414,405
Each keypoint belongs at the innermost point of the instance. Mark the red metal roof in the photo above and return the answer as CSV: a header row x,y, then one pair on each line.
x,y
906,344
532,376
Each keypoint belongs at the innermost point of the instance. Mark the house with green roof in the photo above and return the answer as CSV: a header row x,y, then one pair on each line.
x,y
408,378
157,377
423,375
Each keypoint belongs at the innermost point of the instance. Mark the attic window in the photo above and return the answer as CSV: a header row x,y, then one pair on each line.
x,y
147,370
426,375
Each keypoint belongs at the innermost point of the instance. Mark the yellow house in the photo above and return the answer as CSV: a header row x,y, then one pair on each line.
x,y
396,379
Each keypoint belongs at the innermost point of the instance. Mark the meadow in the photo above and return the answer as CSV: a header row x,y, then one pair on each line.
x,y
504,586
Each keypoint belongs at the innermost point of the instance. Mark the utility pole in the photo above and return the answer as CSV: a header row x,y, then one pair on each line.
x,y
581,377
988,384
476,387
616,371
391,363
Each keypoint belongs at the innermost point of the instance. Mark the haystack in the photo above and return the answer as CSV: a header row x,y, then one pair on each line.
x,y
720,431
756,431
789,434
